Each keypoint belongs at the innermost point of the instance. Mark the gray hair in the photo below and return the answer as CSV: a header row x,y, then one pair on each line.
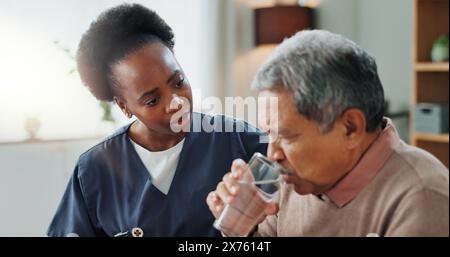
x,y
327,75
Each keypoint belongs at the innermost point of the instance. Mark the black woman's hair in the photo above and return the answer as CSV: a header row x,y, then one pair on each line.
x,y
112,36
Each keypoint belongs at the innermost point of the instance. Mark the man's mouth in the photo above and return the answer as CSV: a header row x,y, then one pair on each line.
x,y
288,178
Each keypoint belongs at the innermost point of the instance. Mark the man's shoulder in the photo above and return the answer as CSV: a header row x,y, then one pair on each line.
x,y
414,169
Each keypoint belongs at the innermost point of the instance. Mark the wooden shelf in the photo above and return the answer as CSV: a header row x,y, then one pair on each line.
x,y
430,79
431,67
439,138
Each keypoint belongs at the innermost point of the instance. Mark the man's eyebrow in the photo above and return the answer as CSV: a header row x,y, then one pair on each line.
x,y
283,131
174,74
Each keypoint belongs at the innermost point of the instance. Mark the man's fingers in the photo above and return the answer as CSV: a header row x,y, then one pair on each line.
x,y
271,209
213,199
227,189
223,193
215,204
231,184
238,168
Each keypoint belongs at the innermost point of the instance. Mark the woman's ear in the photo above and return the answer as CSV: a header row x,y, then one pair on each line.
x,y
354,122
122,105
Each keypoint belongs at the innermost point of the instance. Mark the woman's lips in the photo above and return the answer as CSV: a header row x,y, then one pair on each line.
x,y
183,121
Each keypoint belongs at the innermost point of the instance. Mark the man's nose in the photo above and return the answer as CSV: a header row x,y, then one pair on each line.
x,y
175,104
274,152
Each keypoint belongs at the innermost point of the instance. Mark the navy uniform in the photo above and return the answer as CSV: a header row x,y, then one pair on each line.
x,y
111,194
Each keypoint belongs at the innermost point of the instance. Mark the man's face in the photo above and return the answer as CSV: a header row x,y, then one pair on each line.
x,y
318,160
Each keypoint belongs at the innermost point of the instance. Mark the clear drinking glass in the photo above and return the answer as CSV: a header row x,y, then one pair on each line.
x,y
259,187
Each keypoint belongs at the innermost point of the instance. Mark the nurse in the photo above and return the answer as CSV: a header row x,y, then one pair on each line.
x,y
151,177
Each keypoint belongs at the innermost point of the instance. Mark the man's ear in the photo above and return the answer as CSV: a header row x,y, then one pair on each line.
x,y
354,122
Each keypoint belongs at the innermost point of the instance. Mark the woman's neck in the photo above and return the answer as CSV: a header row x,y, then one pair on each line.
x,y
152,140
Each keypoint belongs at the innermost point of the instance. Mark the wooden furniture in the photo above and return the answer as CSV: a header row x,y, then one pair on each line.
x,y
430,81
273,24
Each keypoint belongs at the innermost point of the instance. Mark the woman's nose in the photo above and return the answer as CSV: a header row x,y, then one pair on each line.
x,y
175,104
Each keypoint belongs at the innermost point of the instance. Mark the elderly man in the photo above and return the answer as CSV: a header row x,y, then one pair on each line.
x,y
352,175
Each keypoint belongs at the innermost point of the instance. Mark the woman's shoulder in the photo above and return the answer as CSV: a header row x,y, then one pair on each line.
x,y
107,148
238,134
203,122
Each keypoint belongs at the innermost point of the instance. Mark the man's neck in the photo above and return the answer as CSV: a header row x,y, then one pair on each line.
x,y
366,143
357,155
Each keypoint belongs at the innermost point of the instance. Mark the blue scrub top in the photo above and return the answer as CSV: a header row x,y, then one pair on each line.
x,y
111,193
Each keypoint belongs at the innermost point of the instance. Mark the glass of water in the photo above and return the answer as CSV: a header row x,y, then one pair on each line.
x,y
259,187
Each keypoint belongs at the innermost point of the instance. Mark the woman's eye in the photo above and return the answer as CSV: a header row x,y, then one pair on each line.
x,y
180,83
152,102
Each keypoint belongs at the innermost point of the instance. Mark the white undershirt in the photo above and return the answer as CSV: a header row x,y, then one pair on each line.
x,y
161,165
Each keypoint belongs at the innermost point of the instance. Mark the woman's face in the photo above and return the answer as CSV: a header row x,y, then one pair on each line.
x,y
153,87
